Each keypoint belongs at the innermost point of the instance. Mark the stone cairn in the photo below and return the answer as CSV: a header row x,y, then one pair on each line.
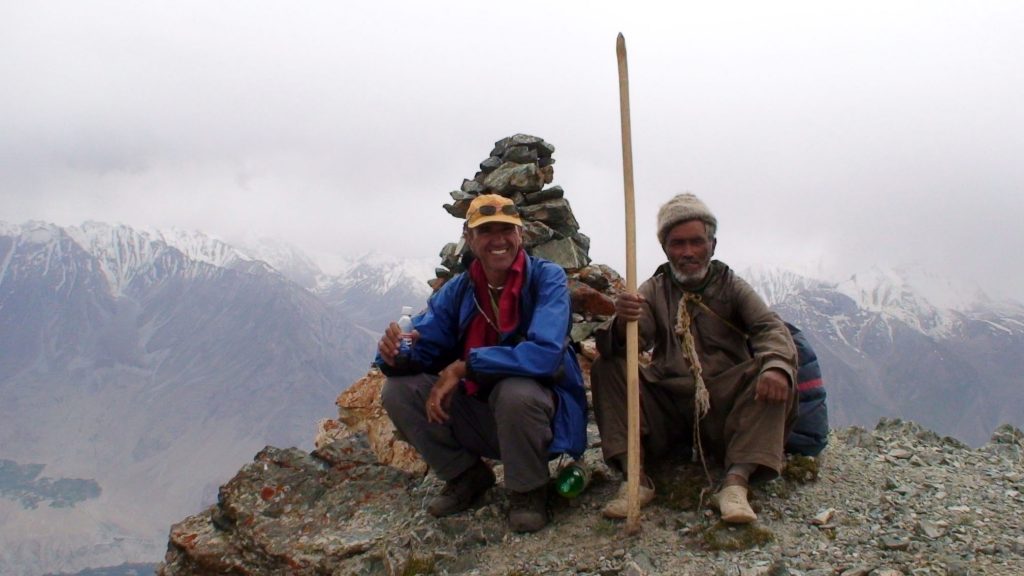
x,y
519,167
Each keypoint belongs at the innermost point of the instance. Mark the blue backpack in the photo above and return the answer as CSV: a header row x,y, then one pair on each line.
x,y
810,433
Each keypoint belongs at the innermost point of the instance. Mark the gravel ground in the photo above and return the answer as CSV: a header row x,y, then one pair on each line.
x,y
898,500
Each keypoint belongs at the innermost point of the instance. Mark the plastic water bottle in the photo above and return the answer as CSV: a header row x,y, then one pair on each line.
x,y
572,480
405,346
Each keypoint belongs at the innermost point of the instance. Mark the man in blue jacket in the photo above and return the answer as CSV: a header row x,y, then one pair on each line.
x,y
490,373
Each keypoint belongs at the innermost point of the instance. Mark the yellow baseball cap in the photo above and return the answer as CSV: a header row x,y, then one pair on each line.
x,y
492,208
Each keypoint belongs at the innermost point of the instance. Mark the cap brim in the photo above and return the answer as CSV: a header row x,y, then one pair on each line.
x,y
503,218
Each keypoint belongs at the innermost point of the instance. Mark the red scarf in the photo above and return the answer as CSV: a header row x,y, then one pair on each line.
x,y
481,331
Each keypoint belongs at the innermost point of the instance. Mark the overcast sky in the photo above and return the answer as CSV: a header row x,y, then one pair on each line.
x,y
826,136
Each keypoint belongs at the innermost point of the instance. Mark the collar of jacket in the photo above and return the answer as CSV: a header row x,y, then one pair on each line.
x,y
467,307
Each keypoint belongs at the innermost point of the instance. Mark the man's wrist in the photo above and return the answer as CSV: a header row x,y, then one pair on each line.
x,y
781,372
456,370
619,329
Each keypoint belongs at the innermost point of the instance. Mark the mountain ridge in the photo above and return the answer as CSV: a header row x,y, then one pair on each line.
x,y
127,362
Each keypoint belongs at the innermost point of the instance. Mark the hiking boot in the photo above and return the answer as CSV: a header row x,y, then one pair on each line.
x,y
733,504
460,492
619,507
528,511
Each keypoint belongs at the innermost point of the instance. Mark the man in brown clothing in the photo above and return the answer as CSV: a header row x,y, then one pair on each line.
x,y
718,356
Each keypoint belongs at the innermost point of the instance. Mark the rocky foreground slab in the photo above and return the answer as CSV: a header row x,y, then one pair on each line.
x,y
897,500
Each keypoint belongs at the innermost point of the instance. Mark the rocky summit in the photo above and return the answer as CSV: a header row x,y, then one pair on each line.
x,y
898,500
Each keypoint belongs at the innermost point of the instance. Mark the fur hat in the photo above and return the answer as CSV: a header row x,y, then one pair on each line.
x,y
679,209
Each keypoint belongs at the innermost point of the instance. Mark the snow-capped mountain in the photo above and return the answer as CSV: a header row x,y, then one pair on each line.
x,y
151,365
369,290
285,258
195,245
372,289
380,273
891,293
776,285
125,255
887,350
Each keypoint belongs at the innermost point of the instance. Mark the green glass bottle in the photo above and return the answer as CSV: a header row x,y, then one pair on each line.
x,y
572,480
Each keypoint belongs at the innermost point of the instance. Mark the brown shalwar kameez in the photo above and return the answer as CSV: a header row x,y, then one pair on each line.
x,y
737,340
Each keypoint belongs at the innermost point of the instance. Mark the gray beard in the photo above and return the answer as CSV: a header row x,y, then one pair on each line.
x,y
685,279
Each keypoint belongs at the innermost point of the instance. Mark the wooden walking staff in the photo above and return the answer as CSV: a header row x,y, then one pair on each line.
x,y
632,339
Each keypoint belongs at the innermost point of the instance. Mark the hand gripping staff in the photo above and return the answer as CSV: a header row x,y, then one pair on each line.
x,y
632,339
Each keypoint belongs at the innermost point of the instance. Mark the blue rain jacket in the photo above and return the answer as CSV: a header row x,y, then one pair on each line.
x,y
538,348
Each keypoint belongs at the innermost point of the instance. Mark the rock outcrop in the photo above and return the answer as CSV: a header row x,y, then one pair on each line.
x,y
898,500
360,412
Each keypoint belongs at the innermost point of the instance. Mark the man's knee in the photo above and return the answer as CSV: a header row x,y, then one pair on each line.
x,y
606,371
396,392
516,395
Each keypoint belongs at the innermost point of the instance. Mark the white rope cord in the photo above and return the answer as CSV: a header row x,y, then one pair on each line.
x,y
701,397
701,400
